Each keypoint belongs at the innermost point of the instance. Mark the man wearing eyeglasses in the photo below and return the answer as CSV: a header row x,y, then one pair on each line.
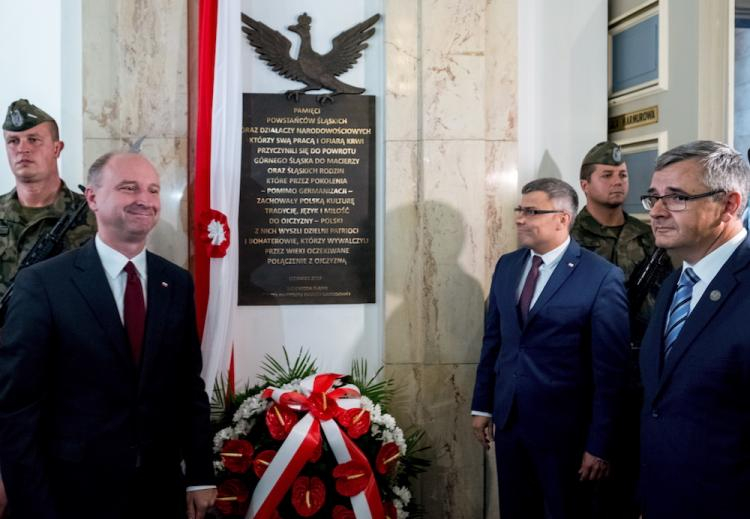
x,y
695,356
552,368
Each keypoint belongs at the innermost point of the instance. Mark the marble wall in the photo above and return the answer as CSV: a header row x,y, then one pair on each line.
x,y
451,183
136,50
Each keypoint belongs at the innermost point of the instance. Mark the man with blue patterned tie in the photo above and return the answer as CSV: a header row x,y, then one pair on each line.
x,y
695,358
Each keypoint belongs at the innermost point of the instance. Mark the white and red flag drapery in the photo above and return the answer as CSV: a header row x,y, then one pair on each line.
x,y
217,180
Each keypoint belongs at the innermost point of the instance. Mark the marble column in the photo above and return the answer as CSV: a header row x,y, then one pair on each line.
x,y
135,86
451,177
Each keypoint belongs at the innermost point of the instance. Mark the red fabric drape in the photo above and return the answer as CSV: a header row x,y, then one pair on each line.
x,y
207,11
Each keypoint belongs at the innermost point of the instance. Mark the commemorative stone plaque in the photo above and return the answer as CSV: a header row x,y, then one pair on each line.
x,y
307,201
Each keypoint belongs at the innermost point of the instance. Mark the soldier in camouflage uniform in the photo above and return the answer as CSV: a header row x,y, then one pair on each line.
x,y
605,228
40,197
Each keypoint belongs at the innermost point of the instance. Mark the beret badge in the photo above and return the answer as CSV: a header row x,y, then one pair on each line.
x,y
16,118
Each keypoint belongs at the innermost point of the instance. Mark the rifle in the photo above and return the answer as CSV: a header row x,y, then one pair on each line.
x,y
648,273
45,247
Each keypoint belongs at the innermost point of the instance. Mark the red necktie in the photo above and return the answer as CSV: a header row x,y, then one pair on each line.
x,y
134,311
527,294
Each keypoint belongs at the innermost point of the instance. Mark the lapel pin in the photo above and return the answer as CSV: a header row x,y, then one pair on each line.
x,y
715,295
164,284
571,265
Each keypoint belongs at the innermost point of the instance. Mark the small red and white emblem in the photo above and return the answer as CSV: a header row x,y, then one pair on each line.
x,y
213,231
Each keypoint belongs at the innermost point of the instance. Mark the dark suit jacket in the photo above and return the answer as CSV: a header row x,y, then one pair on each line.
x,y
564,370
74,408
695,426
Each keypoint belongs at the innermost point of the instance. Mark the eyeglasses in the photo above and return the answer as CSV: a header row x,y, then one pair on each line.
x,y
675,201
529,211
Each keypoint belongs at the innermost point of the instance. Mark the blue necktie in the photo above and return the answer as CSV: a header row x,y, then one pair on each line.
x,y
680,309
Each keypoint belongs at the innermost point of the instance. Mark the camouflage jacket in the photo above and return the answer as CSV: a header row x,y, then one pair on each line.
x,y
18,236
626,248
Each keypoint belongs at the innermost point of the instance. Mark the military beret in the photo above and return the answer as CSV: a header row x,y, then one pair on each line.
x,y
606,152
22,115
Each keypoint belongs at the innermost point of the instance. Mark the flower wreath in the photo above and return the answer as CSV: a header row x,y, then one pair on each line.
x,y
315,445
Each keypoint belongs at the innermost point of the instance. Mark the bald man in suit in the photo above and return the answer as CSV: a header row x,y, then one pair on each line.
x,y
101,399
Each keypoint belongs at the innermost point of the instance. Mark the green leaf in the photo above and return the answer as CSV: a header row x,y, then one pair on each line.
x,y
219,400
415,461
275,374
379,391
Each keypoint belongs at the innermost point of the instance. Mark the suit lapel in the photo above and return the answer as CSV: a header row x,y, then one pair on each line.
x,y
721,287
91,280
159,292
565,267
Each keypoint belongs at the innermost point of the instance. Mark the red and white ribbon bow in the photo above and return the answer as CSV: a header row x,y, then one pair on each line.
x,y
322,402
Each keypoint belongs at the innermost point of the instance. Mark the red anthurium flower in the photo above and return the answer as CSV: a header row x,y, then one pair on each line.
x,y
351,478
390,510
356,421
322,406
324,382
308,495
280,421
237,455
292,398
342,512
231,497
387,457
262,461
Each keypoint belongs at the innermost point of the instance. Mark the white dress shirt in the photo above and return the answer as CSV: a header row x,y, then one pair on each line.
x,y
114,262
707,267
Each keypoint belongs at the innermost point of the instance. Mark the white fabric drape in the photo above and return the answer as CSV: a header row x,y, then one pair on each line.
x,y
226,167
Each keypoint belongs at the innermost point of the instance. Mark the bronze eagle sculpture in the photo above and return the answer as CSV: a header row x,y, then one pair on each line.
x,y
314,70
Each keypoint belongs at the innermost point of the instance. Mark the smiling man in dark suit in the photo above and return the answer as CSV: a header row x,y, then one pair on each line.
x,y
101,398
552,368
695,356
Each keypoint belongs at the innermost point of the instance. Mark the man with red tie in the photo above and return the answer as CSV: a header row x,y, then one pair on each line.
x,y
552,368
102,409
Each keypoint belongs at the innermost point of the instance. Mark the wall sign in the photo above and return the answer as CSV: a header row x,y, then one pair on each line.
x,y
307,200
